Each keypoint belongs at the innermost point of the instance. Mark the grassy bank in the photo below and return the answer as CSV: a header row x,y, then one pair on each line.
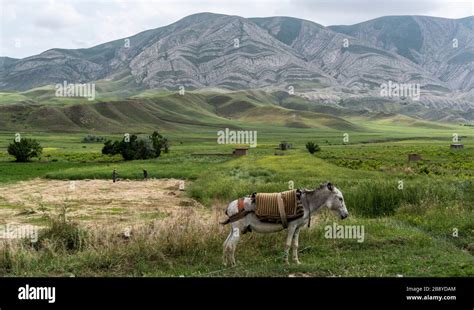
x,y
392,247
418,217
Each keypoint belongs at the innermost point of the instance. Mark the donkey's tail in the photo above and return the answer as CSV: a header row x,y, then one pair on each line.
x,y
227,221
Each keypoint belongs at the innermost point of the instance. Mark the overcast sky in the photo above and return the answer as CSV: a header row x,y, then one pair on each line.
x,y
29,27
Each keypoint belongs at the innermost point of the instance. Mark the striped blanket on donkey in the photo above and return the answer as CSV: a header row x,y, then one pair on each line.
x,y
269,207
279,207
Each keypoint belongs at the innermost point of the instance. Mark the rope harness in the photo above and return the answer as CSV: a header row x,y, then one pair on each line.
x,y
306,205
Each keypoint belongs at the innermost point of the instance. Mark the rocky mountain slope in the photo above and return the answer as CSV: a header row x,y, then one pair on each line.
x,y
324,64
443,47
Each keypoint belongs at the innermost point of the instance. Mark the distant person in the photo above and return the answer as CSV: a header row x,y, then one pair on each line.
x,y
114,175
145,174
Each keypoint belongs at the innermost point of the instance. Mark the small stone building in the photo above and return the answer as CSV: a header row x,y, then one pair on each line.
x,y
414,157
241,151
284,146
457,146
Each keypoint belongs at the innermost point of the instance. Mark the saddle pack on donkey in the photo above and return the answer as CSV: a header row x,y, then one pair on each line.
x,y
271,207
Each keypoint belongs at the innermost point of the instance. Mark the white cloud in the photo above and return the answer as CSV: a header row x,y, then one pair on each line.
x,y
53,15
45,24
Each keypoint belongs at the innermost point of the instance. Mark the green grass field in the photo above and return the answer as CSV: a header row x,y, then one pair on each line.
x,y
409,231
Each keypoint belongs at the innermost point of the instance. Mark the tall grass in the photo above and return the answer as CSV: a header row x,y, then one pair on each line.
x,y
190,246
65,247
62,236
373,198
364,197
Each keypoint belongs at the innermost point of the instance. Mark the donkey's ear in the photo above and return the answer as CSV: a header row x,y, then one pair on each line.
x,y
330,186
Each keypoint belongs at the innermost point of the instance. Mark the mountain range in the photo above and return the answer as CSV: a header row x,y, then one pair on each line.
x,y
338,66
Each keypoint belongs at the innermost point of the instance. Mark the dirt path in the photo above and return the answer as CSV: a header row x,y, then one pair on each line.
x,y
94,202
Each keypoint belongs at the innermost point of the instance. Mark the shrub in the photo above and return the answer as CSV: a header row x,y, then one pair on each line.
x,y
25,149
312,147
65,235
92,139
62,235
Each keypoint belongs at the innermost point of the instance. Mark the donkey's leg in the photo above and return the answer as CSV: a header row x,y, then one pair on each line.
x,y
296,237
233,241
289,239
226,250
230,244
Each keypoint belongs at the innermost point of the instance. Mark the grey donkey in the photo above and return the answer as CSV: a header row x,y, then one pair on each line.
x,y
325,195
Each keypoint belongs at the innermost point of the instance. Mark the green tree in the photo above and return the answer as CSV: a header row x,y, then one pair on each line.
x,y
111,147
128,149
137,148
25,149
143,149
160,143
